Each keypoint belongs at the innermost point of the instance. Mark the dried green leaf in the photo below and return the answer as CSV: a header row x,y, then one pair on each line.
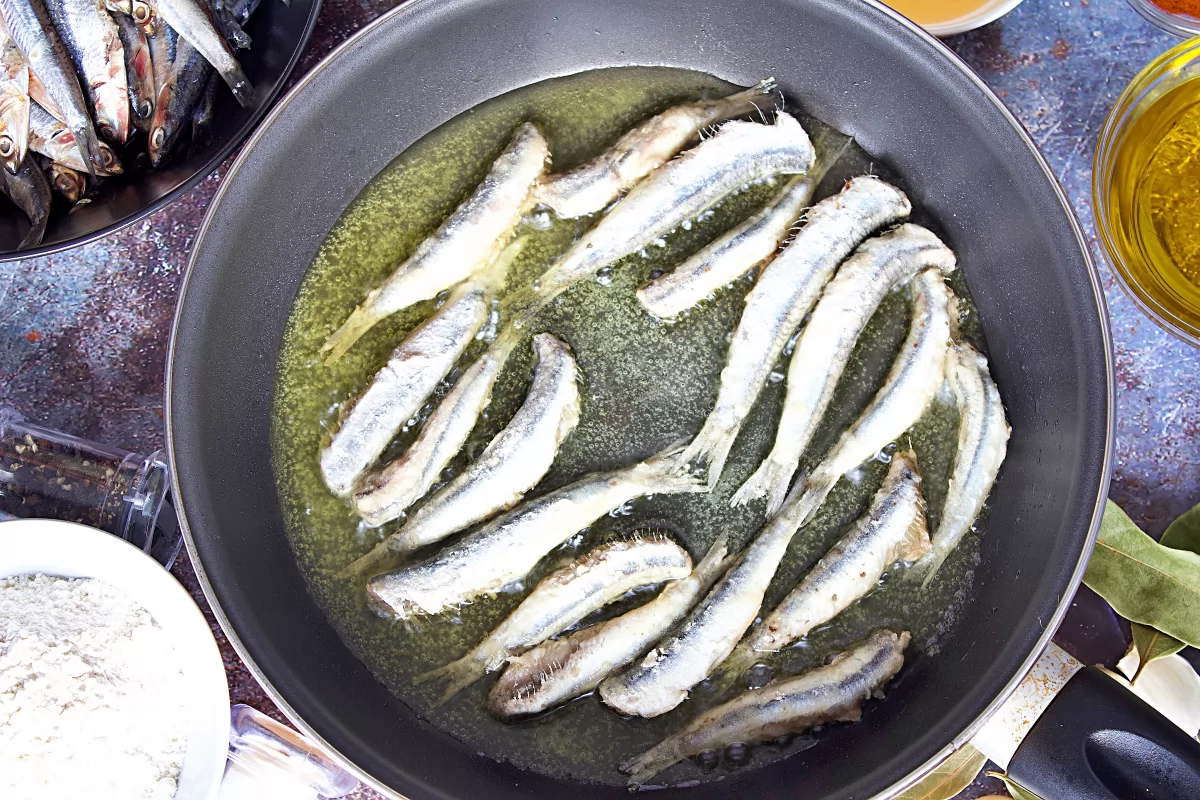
x,y
1184,532
1015,791
948,778
1144,581
1152,644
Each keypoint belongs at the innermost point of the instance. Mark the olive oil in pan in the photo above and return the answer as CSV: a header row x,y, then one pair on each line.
x,y
645,384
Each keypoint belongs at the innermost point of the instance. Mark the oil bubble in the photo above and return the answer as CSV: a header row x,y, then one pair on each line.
x,y
737,754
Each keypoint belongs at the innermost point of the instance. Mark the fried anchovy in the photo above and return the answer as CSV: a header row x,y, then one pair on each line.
x,y
560,669
781,298
563,598
740,152
982,443
892,529
466,242
508,547
513,463
825,345
916,375
730,256
593,185
399,389
833,693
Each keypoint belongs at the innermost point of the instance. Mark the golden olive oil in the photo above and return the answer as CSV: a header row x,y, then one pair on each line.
x,y
934,12
1154,205
645,384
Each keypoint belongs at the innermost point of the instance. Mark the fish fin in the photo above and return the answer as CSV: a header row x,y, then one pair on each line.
x,y
771,480
652,762
711,447
456,676
361,320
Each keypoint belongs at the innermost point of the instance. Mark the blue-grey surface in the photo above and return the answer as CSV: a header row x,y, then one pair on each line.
x,y
83,334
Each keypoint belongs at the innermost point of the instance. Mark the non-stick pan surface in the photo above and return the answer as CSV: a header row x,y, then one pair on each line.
x,y
907,100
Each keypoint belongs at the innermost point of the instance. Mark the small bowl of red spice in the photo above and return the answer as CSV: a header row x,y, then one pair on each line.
x,y
1180,17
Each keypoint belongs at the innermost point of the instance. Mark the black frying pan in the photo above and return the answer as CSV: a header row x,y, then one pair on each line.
x,y
906,99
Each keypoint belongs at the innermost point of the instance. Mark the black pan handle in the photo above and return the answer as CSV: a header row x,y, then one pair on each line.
x,y
1097,740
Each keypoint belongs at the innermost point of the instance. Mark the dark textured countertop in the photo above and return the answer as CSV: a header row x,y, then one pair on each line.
x,y
83,334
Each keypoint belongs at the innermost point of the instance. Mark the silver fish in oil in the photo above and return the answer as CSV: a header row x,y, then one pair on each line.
x,y
982,444
913,381
730,256
513,463
398,390
560,669
892,529
781,298
465,243
833,693
740,152
591,186
563,598
508,547
824,346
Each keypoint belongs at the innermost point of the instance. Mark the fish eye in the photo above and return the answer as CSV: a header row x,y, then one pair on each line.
x,y
141,13
156,138
6,147
147,108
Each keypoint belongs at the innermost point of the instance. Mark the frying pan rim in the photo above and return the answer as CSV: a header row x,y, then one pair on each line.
x,y
953,59
247,133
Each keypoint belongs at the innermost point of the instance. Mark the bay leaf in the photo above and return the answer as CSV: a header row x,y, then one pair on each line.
x,y
1014,791
1144,581
949,777
1152,644
1184,532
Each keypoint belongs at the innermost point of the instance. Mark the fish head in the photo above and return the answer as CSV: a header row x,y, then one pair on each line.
x,y
14,128
70,183
142,13
111,164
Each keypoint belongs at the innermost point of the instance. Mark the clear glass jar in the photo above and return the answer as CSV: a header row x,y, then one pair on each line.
x,y
50,474
1119,224
1178,24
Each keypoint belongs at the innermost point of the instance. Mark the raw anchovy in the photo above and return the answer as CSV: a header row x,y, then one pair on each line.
x,y
202,115
30,190
912,382
833,693
387,494
593,185
176,99
827,341
92,38
193,24
564,597
753,242
512,464
893,529
662,679
164,44
139,70
560,669
398,390
982,443
783,295
51,138
70,183
14,104
28,23
740,152
465,242
508,547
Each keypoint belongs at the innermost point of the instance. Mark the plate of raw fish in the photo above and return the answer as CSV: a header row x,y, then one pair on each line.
x,y
109,109
681,451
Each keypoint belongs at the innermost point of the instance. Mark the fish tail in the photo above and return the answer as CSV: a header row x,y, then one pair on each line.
x,y
361,320
928,566
456,676
382,557
743,102
715,561
807,496
711,447
238,83
664,467
770,480
733,668
89,146
652,762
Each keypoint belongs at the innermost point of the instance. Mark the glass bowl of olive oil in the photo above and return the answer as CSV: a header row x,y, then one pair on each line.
x,y
1146,190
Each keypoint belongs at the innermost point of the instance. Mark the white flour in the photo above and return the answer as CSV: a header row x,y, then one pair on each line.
x,y
92,700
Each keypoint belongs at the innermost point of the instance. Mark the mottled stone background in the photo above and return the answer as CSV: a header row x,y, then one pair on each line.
x,y
83,334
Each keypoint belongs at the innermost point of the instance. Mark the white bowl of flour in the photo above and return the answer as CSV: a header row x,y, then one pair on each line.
x,y
80,704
